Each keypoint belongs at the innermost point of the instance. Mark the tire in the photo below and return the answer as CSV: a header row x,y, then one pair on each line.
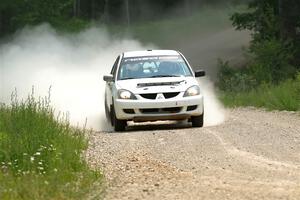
x,y
119,125
197,121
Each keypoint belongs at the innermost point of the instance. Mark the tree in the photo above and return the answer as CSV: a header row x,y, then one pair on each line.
x,y
7,9
290,18
270,18
275,44
15,14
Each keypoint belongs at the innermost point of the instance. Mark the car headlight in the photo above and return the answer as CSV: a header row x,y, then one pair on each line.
x,y
125,94
192,91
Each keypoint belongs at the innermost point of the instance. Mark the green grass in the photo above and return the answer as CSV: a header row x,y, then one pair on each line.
x,y
285,96
41,154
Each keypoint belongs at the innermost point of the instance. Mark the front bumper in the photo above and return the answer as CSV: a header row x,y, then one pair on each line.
x,y
153,110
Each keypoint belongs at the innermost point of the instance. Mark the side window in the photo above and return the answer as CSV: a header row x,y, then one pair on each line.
x,y
115,66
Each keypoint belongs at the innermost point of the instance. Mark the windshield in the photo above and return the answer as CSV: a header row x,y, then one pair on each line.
x,y
153,67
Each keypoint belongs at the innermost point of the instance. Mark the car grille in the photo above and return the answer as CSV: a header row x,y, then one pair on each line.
x,y
167,95
161,110
149,96
171,95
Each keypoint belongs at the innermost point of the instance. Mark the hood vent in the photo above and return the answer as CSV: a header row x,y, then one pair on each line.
x,y
139,85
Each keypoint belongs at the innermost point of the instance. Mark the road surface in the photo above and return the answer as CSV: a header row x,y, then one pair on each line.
x,y
254,154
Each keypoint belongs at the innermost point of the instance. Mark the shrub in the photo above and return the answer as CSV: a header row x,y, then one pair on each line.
x,y
270,64
234,80
271,61
284,96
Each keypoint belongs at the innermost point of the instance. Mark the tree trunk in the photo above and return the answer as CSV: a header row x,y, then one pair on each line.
x,y
281,24
105,16
289,27
93,9
288,18
78,8
1,24
127,12
187,6
74,8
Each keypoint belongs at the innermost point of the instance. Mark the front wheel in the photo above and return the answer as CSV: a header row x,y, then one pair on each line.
x,y
197,121
119,125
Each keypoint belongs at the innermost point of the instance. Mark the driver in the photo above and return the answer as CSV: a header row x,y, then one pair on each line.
x,y
134,70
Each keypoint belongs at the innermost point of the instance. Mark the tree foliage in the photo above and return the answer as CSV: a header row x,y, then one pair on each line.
x,y
275,48
15,14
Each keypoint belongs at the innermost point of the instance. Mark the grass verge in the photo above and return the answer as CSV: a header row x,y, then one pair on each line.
x,y
285,96
41,154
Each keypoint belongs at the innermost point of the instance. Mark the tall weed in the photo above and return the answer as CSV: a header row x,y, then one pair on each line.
x,y
41,154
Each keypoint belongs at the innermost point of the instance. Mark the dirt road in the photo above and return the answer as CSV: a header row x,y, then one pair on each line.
x,y
253,155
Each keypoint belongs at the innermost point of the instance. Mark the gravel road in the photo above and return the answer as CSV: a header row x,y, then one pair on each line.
x,y
255,154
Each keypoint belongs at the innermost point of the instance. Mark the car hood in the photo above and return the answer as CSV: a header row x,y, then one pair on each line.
x,y
157,85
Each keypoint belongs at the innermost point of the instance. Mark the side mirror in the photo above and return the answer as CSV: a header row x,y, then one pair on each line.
x,y
108,78
199,73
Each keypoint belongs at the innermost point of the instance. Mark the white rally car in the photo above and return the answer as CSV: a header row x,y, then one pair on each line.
x,y
153,85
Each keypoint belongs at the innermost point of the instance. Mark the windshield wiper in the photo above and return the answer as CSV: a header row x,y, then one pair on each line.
x,y
127,78
161,76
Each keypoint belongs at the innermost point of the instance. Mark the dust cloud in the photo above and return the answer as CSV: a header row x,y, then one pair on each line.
x,y
73,66
214,111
